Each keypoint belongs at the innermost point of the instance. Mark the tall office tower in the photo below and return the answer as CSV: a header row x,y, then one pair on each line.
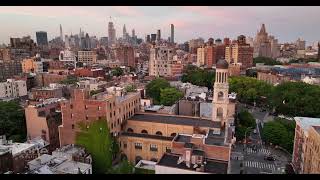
x,y
148,39
153,37
124,32
262,45
42,39
111,33
172,33
61,34
133,33
158,35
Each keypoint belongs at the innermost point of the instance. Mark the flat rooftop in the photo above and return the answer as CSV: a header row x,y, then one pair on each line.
x,y
212,139
307,122
147,136
17,148
212,166
179,120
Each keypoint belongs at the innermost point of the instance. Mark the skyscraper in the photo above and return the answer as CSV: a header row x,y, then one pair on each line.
x,y
158,35
61,34
124,32
111,33
172,33
153,37
42,39
133,33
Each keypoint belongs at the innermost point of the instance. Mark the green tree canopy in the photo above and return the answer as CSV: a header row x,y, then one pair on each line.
x,y
124,167
131,88
97,140
266,61
117,71
70,80
168,96
199,77
296,99
12,121
245,122
279,132
153,88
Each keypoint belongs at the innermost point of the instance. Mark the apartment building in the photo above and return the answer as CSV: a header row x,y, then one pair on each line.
x,y
161,60
43,119
51,91
88,57
13,88
32,65
312,155
301,148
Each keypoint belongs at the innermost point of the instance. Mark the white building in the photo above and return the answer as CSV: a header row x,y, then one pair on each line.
x,y
91,84
161,58
201,55
13,88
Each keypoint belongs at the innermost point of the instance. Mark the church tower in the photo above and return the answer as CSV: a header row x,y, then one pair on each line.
x,y
220,94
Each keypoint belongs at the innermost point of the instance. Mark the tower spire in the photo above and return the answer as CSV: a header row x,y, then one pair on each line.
x,y
263,29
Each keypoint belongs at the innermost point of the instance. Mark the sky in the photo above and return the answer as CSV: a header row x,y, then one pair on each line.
x,y
285,23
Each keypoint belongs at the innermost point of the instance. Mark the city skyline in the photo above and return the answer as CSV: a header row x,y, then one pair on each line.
x,y
190,22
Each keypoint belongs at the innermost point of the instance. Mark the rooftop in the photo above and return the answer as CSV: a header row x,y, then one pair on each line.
x,y
317,128
180,120
73,167
211,166
306,122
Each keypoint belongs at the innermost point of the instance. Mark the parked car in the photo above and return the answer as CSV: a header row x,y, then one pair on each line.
x,y
269,158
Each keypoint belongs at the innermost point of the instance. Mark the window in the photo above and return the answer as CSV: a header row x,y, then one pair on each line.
x,y
130,130
111,115
99,108
153,147
159,133
71,106
138,145
87,118
72,126
118,121
154,160
173,134
168,150
125,145
85,107
111,125
71,115
100,117
144,131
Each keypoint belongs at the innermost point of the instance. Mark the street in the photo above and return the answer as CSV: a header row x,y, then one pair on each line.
x,y
254,152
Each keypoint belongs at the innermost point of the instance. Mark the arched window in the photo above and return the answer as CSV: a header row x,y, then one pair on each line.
x,y
123,157
220,112
173,134
144,131
159,133
130,130
138,158
220,95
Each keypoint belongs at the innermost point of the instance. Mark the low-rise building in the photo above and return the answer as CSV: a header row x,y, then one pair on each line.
x,y
52,91
43,119
87,57
45,79
13,88
89,72
92,84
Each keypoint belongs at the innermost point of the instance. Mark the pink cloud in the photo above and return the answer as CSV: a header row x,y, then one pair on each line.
x,y
127,11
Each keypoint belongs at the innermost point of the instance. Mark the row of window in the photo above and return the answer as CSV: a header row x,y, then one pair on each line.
x,y
138,146
159,133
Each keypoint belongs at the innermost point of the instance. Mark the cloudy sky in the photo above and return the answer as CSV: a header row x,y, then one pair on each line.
x,y
285,23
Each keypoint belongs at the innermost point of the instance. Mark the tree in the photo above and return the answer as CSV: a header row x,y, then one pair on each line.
x,y
168,96
279,132
250,90
124,167
131,88
296,99
245,123
199,77
96,138
12,121
70,80
117,71
153,88
266,61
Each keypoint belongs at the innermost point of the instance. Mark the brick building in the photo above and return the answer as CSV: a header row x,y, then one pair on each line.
x,y
302,148
116,107
312,155
125,54
45,79
53,91
89,72
43,119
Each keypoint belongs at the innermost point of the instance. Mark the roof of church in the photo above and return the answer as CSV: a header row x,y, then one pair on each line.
x,y
222,64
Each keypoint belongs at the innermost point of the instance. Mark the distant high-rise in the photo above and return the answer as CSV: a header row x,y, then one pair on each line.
x,y
172,33
111,33
61,34
124,32
133,33
42,39
158,35
148,39
153,37
262,45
